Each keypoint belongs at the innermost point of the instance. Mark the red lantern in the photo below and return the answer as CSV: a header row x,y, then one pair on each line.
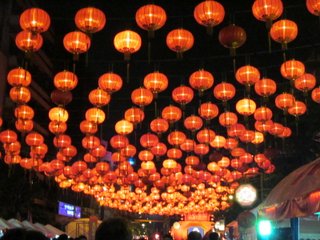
x,y
123,127
159,125
284,101
276,129
19,77
28,41
263,114
297,109
119,141
156,82
34,139
265,87
305,83
141,97
193,123
159,149
8,136
248,75
182,94
188,145
205,135
88,127
313,7
128,151
176,138
246,106
315,95
232,37
134,115
208,110
76,42
35,20
62,140
148,140
209,14
90,20
65,81
99,97
24,112
224,91
110,82
24,126
267,10
201,149
236,130
201,80
284,31
90,142
218,142
174,153
171,113
95,115
228,119
179,41
127,42
20,95
292,69
151,17
263,126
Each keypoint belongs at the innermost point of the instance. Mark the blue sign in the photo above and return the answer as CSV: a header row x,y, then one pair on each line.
x,y
69,210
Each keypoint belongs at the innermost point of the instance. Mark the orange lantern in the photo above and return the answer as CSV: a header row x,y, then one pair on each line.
x,y
218,142
95,115
62,140
35,20
28,41
24,112
1,122
171,113
90,20
90,142
174,153
8,136
313,7
76,42
284,31
65,80
169,164
102,168
176,138
247,136
145,155
292,69
148,140
286,133
182,95
20,95
99,97
123,127
34,139
88,127
236,130
151,17
159,125
127,42
265,87
24,125
119,141
134,115
297,109
179,41
205,135
263,114
156,82
188,145
276,129
110,82
246,106
267,10
141,97
193,123
128,151
315,95
284,101
69,151
209,13
159,149
192,160
58,114
228,119
258,138
263,126
224,91
247,75
201,80
19,77
305,83
232,37
208,110
201,149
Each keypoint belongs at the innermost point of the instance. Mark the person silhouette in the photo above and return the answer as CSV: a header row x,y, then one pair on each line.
x,y
113,229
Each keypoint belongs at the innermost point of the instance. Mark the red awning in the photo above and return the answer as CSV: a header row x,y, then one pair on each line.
x,y
297,195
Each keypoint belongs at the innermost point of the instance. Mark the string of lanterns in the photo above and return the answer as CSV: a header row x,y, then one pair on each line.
x,y
170,188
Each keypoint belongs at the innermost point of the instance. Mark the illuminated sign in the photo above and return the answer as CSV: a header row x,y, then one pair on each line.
x,y
69,210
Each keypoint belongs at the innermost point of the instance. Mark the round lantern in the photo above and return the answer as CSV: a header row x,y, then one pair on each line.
x,y
61,98
267,10
169,164
179,41
182,95
284,101
24,125
145,155
171,113
159,125
123,127
90,20
151,17
8,136
228,119
90,142
205,135
110,82
65,80
201,80
315,95
128,151
247,75
159,149
263,114
76,42
19,77
313,7
232,37
209,14
35,20
284,31
292,69
127,42
265,87
134,115
208,110
224,91
148,140
297,109
99,97
95,115
246,106
176,138
263,126
88,127
24,112
156,82
246,195
188,145
28,41
218,142
62,140
305,82
34,139
193,123
258,138
141,97
58,114
20,95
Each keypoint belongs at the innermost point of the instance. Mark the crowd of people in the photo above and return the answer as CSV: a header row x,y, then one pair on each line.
x,y
111,229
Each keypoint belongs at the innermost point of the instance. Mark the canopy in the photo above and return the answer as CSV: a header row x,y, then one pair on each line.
x,y
54,230
297,195
4,224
